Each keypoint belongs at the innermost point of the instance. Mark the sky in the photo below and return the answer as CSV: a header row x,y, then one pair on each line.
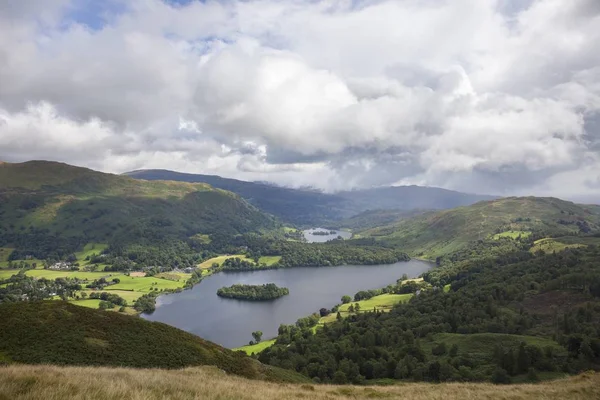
x,y
488,96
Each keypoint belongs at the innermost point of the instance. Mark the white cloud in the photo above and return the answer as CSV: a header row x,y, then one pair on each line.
x,y
498,96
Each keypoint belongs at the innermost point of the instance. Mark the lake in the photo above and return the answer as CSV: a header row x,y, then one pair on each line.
x,y
310,238
230,322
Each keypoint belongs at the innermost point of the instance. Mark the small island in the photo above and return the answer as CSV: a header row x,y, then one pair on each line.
x,y
268,291
323,233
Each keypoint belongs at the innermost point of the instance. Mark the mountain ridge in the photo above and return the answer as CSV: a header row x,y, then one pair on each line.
x,y
306,207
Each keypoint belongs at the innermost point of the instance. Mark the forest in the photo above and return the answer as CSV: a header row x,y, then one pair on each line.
x,y
268,291
506,318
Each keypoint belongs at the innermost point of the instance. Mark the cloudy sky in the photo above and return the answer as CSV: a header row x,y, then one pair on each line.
x,y
486,96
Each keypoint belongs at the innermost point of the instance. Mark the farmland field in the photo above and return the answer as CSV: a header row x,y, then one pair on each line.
x,y
53,274
144,284
268,260
256,348
219,260
7,273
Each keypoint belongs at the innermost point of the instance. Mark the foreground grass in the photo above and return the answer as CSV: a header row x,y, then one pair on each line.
x,y
26,382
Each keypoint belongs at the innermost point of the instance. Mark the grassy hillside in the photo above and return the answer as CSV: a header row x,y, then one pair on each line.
x,y
438,233
55,332
71,201
50,382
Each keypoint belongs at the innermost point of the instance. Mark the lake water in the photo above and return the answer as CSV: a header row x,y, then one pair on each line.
x,y
310,238
230,322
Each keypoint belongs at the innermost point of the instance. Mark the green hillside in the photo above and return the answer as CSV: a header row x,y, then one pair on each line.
x,y
59,333
48,198
438,233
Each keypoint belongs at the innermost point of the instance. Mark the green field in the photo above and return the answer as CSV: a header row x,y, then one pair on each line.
x,y
53,274
174,276
144,284
268,260
219,260
256,348
549,245
511,235
383,302
7,273
88,250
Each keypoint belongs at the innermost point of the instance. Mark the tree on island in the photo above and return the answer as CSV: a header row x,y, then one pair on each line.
x,y
257,335
268,291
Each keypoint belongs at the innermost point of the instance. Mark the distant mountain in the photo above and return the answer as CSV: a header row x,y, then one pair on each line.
x,y
308,207
56,332
71,201
436,233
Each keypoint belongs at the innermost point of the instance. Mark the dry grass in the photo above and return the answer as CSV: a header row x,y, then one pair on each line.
x,y
57,383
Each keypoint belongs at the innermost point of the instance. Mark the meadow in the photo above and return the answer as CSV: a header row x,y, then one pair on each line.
x,y
256,348
268,260
25,382
144,284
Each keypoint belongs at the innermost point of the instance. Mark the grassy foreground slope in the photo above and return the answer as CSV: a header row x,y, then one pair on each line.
x,y
50,382
54,332
438,233
72,201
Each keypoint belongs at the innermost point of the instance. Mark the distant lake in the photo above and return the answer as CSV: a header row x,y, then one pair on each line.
x,y
311,238
230,322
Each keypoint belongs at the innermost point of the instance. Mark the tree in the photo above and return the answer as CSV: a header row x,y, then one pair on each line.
x,y
351,308
339,378
500,376
338,316
346,299
257,335
357,307
324,312
454,350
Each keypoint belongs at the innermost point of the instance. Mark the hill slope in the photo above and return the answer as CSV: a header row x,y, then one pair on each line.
x,y
442,232
35,382
311,207
72,201
54,332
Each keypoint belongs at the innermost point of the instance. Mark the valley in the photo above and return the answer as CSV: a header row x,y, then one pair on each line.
x,y
505,290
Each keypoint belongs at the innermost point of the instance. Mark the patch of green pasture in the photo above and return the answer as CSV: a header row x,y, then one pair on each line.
x,y
7,273
446,288
269,260
53,274
383,302
219,260
174,276
144,284
550,245
511,234
256,348
88,250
